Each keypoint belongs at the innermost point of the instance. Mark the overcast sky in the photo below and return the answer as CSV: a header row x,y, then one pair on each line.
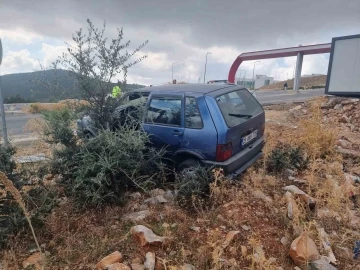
x,y
179,31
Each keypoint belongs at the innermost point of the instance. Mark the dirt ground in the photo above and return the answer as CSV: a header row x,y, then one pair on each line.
x,y
254,207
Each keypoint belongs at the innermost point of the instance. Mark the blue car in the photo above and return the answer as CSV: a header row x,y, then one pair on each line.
x,y
201,124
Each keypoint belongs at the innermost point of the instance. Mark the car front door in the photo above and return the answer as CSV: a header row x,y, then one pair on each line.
x,y
164,121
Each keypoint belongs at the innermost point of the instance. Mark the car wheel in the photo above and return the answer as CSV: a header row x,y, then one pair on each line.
x,y
189,167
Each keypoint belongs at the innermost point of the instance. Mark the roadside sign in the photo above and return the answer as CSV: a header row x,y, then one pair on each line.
x,y
1,52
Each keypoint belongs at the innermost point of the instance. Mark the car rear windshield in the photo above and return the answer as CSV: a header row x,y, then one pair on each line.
x,y
238,107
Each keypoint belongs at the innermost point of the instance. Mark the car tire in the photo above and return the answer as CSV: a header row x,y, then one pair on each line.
x,y
188,166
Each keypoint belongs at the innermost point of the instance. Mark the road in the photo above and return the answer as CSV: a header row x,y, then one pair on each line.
x,y
274,97
15,123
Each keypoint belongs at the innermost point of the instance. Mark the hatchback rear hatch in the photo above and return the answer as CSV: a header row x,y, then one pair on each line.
x,y
239,119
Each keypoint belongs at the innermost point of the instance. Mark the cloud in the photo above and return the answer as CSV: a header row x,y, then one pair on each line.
x,y
50,53
18,61
19,36
185,30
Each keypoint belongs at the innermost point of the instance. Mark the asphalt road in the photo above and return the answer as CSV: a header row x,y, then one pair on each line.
x,y
15,123
275,97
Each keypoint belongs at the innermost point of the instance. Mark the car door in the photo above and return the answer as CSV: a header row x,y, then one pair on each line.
x,y
164,121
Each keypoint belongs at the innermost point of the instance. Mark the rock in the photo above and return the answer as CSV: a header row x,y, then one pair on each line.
x,y
342,143
348,152
159,199
149,261
290,172
245,228
303,249
118,266
109,260
284,240
137,216
345,119
229,237
144,236
137,266
261,196
135,195
194,228
243,251
321,264
169,195
311,202
187,267
338,107
326,213
272,260
292,208
36,259
156,192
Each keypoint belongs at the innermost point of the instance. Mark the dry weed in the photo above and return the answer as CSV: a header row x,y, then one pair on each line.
x,y
9,187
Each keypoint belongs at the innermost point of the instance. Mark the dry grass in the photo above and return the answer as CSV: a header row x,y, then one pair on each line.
x,y
9,187
41,107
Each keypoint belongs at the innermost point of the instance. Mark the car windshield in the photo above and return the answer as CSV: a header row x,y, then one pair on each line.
x,y
238,106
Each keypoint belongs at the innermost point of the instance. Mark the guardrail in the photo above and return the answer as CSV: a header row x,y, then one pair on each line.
x,y
18,106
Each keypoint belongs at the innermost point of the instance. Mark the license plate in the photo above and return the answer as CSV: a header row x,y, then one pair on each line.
x,y
248,138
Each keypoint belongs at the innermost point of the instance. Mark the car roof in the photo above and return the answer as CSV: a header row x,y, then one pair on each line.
x,y
185,88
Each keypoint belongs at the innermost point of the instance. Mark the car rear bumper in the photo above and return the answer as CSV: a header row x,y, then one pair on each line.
x,y
241,161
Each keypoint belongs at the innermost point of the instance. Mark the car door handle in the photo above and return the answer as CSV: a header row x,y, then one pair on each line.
x,y
177,133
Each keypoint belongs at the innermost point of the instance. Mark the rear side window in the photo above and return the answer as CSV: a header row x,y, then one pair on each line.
x,y
192,114
164,111
238,106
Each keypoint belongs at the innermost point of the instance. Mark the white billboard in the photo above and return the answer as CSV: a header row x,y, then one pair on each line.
x,y
344,67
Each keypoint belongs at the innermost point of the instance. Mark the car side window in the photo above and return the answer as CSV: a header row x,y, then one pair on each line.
x,y
192,114
164,111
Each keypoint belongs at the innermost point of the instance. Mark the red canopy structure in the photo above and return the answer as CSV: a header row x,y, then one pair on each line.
x,y
285,52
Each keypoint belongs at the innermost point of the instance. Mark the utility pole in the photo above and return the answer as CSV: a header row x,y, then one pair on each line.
x,y
2,109
254,74
206,64
172,71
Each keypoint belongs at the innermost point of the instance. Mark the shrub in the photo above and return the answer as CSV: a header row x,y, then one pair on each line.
x,y
194,187
114,162
286,157
57,127
7,165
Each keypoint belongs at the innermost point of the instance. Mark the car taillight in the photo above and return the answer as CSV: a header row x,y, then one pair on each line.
x,y
223,151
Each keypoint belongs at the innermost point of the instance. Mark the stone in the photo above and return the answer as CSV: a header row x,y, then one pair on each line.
x,y
311,202
272,260
169,195
342,143
303,249
36,259
326,213
321,264
229,237
194,228
284,240
187,267
137,266
135,195
118,266
338,107
243,251
245,228
261,196
137,216
159,199
149,261
109,260
144,236
157,191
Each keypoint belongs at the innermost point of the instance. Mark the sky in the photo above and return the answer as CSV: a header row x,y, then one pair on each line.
x,y
35,32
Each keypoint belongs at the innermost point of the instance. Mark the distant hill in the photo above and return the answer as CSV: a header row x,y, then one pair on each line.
x,y
26,85
308,82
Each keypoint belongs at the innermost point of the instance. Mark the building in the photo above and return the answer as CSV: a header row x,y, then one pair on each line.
x,y
260,80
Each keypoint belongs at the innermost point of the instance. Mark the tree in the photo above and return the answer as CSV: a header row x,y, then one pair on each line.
x,y
96,62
